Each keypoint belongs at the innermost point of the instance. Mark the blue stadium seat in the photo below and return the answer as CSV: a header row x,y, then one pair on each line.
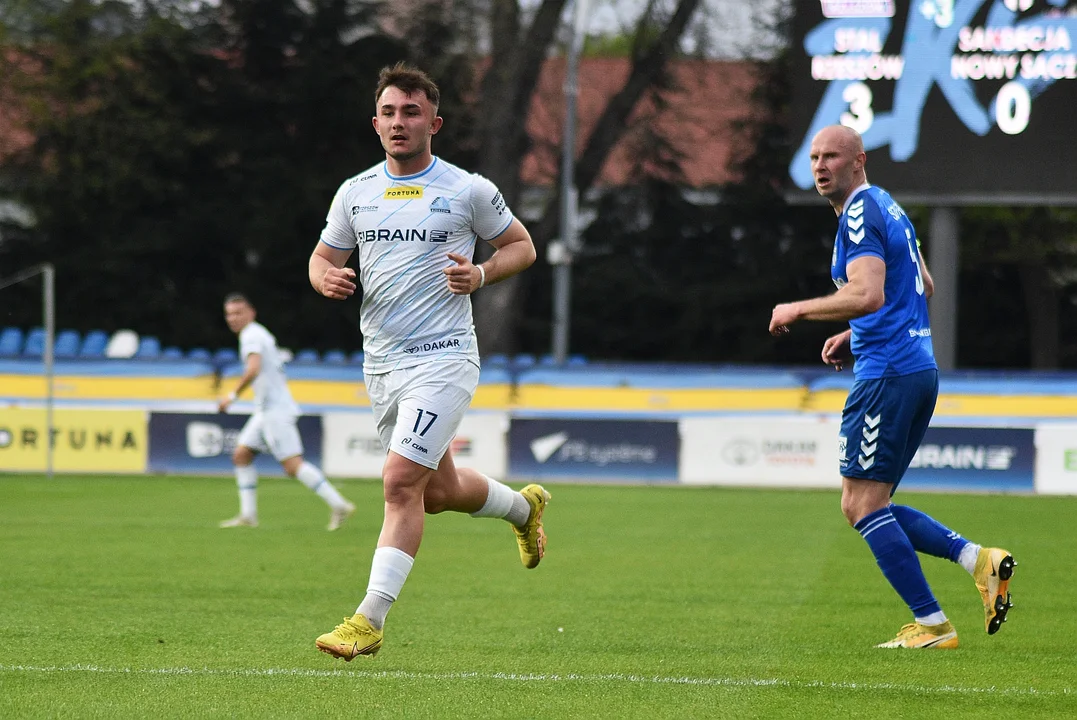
x,y
358,357
10,342
171,353
67,344
496,360
523,360
149,348
200,354
547,360
306,356
93,344
35,343
335,357
577,360
225,356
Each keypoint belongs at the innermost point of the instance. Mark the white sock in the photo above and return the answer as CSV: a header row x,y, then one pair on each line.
x,y
967,557
934,618
388,571
503,502
313,478
247,482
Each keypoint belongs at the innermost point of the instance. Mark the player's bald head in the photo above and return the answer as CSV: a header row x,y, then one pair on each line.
x,y
844,136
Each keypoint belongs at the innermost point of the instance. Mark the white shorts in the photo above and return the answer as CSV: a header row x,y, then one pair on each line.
x,y
274,433
418,409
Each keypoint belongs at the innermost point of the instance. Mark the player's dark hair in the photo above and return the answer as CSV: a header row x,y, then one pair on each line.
x,y
234,297
410,79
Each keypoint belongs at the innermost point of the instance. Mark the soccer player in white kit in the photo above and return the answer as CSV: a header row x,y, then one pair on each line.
x,y
272,428
415,220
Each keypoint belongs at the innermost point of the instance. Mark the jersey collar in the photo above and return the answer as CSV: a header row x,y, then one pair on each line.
x,y
853,194
429,167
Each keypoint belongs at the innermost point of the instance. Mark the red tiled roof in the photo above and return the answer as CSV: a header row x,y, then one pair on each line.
x,y
698,118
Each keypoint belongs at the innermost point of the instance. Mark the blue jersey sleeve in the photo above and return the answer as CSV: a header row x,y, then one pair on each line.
x,y
865,229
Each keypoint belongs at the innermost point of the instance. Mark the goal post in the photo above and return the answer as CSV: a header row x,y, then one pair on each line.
x,y
48,302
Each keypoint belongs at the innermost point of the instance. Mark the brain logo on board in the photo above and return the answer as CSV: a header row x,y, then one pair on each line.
x,y
6,438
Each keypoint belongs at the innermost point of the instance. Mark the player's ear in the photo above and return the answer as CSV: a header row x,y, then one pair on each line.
x,y
436,125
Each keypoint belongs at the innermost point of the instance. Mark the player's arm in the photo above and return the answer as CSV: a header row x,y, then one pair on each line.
x,y
929,282
862,295
513,252
251,368
328,274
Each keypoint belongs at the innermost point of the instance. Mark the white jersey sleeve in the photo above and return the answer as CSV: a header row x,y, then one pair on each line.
x,y
489,212
337,232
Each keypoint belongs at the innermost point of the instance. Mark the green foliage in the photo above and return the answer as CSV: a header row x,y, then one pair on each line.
x,y
123,599
178,157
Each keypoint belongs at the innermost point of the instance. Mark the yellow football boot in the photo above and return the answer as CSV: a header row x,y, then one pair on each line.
x,y
994,568
531,537
355,636
914,635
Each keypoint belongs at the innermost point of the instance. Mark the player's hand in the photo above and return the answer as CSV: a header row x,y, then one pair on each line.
x,y
337,283
463,277
782,317
836,349
224,403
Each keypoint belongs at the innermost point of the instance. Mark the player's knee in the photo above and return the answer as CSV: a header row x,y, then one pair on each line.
x,y
401,488
242,456
850,509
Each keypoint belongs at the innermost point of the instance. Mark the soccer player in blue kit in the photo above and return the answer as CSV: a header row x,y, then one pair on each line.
x,y
883,286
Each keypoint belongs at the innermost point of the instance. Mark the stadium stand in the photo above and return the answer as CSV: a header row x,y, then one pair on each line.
x,y
10,342
357,357
306,356
225,356
149,348
171,353
93,344
335,357
35,343
200,354
122,344
67,345
523,360
496,360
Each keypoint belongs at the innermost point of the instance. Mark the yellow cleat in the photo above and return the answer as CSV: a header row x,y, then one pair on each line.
x,y
239,521
355,636
531,537
914,635
994,568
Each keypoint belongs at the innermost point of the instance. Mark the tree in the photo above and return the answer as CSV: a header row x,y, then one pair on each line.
x,y
505,94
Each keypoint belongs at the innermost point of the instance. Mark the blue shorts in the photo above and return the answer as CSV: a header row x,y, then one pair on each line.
x,y
883,424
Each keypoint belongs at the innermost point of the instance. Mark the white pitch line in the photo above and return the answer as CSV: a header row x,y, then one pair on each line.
x,y
542,677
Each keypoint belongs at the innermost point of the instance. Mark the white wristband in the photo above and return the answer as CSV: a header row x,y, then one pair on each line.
x,y
482,275
232,396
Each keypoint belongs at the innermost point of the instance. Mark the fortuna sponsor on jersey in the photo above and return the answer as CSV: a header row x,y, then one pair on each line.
x,y
436,345
403,193
403,235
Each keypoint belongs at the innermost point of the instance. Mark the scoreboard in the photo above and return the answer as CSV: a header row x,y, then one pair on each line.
x,y
958,101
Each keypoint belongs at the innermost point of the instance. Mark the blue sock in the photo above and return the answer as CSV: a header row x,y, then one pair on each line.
x,y
897,559
927,534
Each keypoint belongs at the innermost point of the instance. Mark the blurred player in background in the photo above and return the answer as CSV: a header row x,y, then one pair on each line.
x,y
415,220
883,286
272,428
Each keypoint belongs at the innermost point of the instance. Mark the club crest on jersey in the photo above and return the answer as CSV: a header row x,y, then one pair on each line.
x,y
403,192
440,205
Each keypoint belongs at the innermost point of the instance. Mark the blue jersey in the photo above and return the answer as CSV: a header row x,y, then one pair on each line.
x,y
895,339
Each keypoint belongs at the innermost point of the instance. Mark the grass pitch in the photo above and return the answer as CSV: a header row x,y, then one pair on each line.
x,y
119,597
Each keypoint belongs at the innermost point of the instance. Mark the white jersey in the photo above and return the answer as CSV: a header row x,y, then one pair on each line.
x,y
403,228
271,392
